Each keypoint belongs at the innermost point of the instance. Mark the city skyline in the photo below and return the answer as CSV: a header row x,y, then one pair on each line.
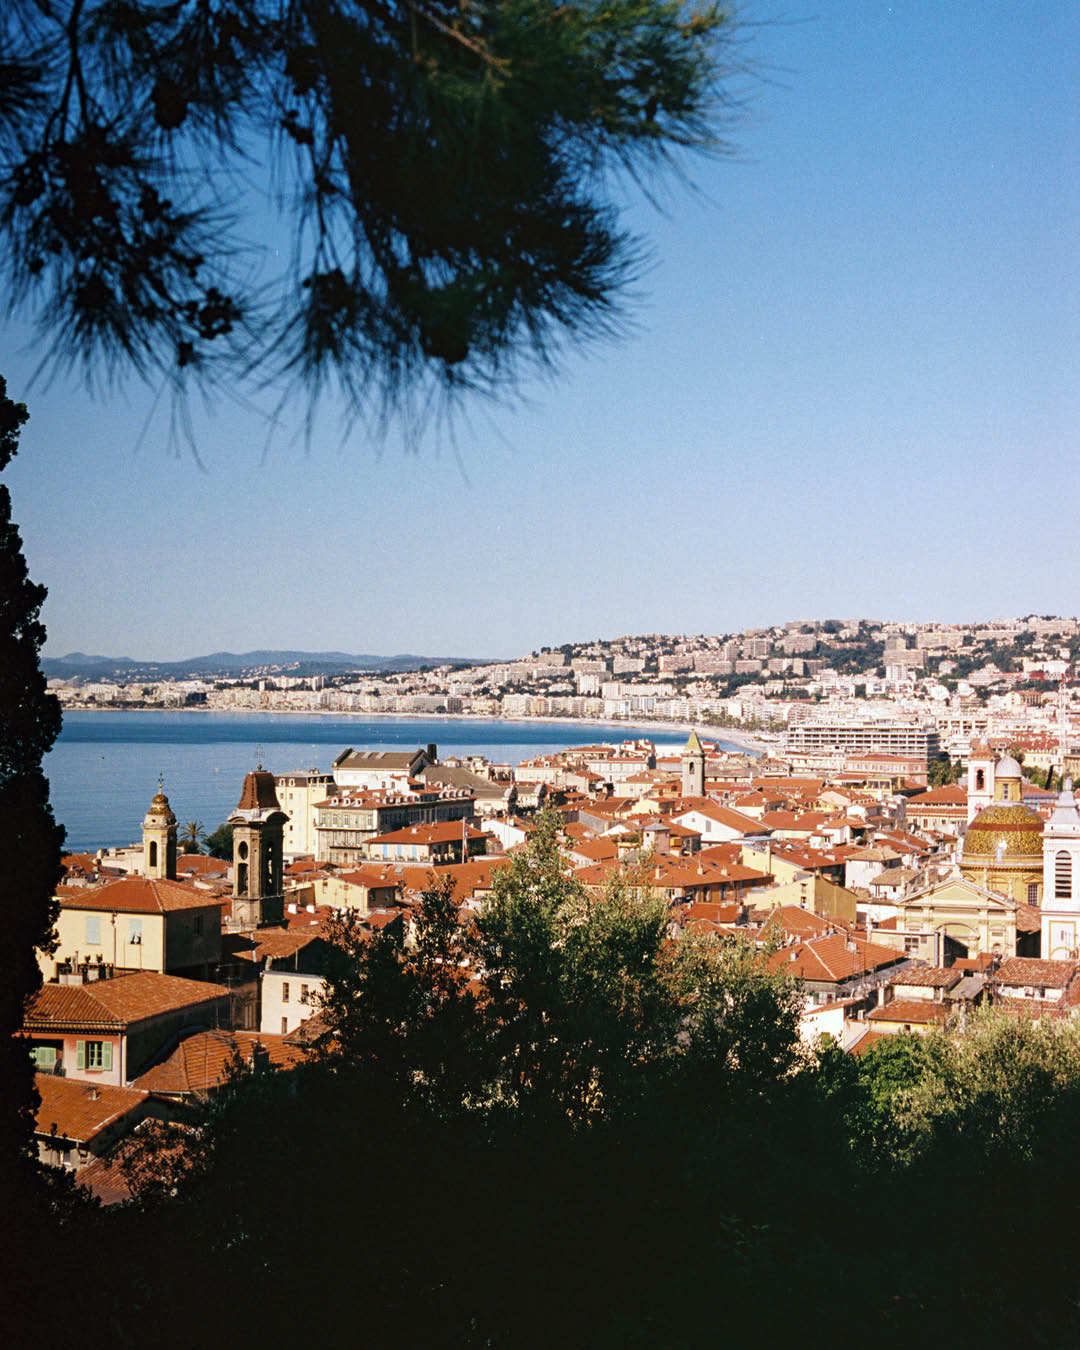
x,y
848,390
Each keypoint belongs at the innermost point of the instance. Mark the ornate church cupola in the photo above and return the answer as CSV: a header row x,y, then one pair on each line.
x,y
258,826
1004,843
693,767
159,838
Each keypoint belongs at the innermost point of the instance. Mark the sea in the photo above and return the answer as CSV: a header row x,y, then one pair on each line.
x,y
105,766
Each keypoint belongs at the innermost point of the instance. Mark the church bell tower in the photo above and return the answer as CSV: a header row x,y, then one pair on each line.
x,y
258,826
1061,880
159,839
693,767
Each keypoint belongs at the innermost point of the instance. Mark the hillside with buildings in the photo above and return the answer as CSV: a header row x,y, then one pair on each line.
x,y
813,690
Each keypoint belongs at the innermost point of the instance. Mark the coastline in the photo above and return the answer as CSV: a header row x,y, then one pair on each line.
x,y
743,741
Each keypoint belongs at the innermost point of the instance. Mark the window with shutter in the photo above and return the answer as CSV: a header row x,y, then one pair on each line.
x,y
96,1054
93,930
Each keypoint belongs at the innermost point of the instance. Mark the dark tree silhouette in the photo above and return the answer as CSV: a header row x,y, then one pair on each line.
x,y
30,839
441,175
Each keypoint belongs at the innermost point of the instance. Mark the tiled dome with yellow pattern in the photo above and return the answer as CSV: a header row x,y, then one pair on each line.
x,y
160,807
1018,827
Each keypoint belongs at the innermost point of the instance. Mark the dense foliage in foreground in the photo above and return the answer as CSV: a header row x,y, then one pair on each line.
x,y
605,1138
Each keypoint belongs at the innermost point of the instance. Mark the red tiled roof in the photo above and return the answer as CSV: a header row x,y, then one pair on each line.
x,y
598,850
799,923
441,832
953,795
1018,970
868,1040
831,958
928,977
202,1061
138,895
202,865
722,815
910,1010
80,1111
117,1002
276,943
468,878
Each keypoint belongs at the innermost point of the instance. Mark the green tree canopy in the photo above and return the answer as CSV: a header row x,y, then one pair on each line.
x,y
555,1003
440,174
192,837
219,843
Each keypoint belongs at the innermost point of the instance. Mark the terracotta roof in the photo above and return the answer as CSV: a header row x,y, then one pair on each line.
x,y
797,922
877,853
79,1110
443,831
303,866
117,1002
1025,970
910,1010
138,895
202,865
277,943
598,850
868,1040
202,1061
710,912
1028,918
722,815
928,977
833,958
307,919
258,792
104,1178
475,875
954,795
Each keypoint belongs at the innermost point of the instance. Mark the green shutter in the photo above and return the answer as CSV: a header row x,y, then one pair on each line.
x,y
93,929
80,1054
106,1052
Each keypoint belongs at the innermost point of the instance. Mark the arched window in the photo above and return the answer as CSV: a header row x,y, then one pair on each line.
x,y
153,852
1063,876
980,780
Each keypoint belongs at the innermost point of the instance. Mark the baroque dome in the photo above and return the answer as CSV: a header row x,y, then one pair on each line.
x,y
160,807
1018,827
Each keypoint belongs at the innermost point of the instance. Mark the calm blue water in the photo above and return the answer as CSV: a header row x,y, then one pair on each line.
x,y
105,767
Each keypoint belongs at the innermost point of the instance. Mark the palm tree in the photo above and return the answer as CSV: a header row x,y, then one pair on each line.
x,y
192,837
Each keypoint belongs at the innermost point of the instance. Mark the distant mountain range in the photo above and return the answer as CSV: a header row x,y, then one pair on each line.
x,y
235,665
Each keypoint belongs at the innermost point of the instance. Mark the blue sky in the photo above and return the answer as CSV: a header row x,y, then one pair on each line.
x,y
851,389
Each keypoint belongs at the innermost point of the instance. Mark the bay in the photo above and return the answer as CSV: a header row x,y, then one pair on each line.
x,y
105,766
